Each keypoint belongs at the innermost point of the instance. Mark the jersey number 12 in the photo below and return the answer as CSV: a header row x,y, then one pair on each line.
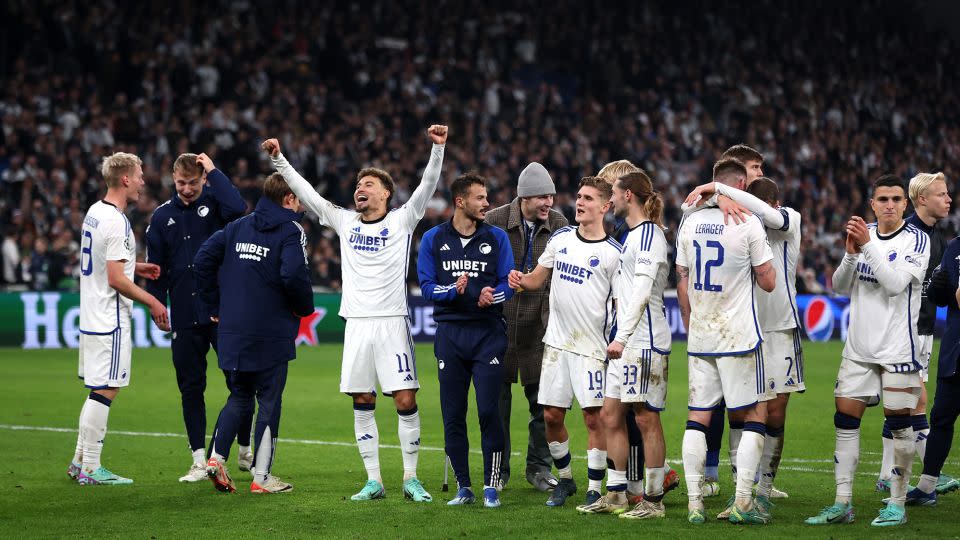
x,y
704,266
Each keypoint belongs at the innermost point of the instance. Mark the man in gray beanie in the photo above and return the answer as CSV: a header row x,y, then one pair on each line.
x,y
530,221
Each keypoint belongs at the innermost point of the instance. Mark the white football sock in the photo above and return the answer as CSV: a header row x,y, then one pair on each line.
x,y
927,483
694,452
264,456
886,459
846,457
733,437
199,456
78,453
616,480
904,447
922,442
769,463
93,423
557,451
597,461
408,430
368,441
748,460
654,476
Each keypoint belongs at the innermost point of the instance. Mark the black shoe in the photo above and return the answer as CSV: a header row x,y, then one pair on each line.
x,y
565,488
592,497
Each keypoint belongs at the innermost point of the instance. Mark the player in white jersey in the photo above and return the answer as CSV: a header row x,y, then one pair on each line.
x,y
581,263
108,263
377,347
882,272
717,265
782,354
636,378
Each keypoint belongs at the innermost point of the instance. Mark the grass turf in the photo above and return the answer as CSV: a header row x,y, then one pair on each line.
x,y
317,454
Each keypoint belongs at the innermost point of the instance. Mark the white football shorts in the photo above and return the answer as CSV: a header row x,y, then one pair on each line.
x,y
378,350
565,374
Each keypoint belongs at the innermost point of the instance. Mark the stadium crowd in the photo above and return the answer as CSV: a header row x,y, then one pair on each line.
x,y
667,86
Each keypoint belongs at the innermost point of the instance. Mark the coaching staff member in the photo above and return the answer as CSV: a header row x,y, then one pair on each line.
x,y
463,268
177,230
529,221
261,263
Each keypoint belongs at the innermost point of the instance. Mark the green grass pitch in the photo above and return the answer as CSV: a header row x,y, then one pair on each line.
x,y
38,419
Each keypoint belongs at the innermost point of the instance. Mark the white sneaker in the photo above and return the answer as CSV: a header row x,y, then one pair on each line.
x,y
245,461
272,485
777,494
197,472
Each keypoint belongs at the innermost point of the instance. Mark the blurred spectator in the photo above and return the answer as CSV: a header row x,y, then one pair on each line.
x,y
668,86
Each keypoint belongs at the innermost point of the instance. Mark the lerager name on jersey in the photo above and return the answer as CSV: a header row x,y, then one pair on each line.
x,y
709,228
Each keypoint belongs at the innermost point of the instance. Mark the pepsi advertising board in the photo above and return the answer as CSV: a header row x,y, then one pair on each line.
x,y
822,318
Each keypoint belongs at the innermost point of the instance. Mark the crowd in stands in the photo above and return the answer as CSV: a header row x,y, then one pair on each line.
x,y
832,96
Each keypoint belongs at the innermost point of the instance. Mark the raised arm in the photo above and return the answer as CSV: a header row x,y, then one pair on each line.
x,y
431,174
227,195
772,218
308,196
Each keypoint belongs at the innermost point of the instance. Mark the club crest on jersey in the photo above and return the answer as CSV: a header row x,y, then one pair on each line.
x,y
384,232
485,248
892,255
594,261
203,211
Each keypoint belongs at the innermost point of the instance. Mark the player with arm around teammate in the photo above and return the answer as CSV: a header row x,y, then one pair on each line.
x,y
463,268
378,347
108,262
717,266
882,273
581,263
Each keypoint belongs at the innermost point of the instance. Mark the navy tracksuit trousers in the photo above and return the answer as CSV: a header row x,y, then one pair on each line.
x,y
472,351
943,416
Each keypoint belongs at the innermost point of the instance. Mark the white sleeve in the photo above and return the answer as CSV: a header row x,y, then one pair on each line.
x,y
549,254
417,205
758,243
633,307
772,218
844,275
688,209
330,214
114,238
682,259
894,278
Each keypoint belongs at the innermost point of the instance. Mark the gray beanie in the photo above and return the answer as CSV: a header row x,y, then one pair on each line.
x,y
535,181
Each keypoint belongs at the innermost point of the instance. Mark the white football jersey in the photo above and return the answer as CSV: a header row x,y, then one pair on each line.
x,y
720,258
883,328
374,255
645,254
106,235
581,312
778,309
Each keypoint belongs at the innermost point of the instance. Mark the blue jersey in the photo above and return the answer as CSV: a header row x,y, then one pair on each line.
x,y
487,259
174,236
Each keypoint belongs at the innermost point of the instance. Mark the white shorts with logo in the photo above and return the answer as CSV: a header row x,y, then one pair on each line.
x,y
638,376
865,381
564,374
105,359
926,349
378,350
735,379
782,362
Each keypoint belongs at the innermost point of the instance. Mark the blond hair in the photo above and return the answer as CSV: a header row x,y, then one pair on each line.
x,y
615,169
187,165
117,165
922,181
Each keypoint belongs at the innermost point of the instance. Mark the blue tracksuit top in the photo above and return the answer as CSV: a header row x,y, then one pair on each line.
x,y
487,258
264,286
176,232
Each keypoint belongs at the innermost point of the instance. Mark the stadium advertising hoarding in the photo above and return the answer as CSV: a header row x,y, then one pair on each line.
x,y
50,320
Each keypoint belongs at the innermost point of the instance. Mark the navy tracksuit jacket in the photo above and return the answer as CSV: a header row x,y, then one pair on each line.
x,y
264,288
470,341
946,402
174,236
